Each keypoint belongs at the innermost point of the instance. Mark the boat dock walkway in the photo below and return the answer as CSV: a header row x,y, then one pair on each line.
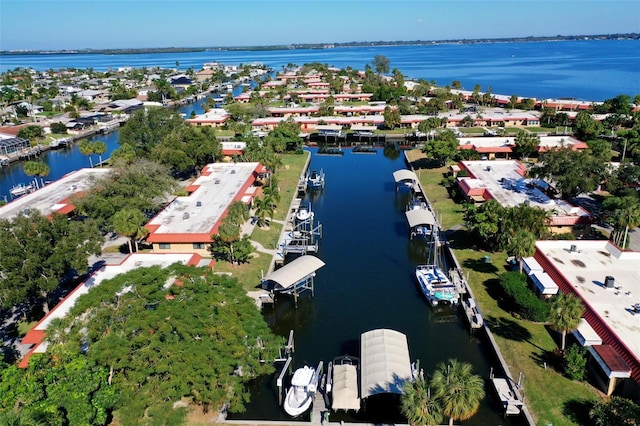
x,y
319,408
506,390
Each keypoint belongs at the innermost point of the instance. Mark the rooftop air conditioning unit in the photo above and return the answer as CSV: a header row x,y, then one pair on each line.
x,y
573,249
609,281
198,203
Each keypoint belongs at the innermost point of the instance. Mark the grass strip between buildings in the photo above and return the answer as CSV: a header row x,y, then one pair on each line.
x,y
526,347
249,274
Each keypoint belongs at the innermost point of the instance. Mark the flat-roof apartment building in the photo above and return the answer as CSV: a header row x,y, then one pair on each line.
x,y
188,222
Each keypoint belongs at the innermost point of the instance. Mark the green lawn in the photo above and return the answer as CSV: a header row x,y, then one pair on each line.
x,y
552,398
471,130
268,237
249,274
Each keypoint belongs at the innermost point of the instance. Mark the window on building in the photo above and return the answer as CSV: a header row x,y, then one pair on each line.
x,y
198,246
165,246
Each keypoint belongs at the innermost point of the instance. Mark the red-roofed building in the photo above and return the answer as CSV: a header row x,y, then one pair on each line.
x,y
187,224
504,181
607,280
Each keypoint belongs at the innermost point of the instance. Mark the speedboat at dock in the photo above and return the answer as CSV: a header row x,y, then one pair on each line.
x,y
315,179
304,384
21,189
303,213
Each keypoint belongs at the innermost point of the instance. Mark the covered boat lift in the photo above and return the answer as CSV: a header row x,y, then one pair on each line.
x,y
344,384
407,178
293,277
385,362
421,222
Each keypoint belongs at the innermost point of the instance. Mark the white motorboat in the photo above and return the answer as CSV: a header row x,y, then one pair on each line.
x,y
304,213
315,179
435,285
299,397
417,204
22,189
343,383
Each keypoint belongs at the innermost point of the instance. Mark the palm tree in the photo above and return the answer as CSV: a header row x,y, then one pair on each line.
x,y
624,213
458,389
99,147
238,212
522,244
129,223
229,232
418,405
565,313
86,148
37,168
264,209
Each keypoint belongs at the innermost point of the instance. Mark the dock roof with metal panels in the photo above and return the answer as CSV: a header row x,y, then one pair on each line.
x,y
296,271
54,197
345,387
385,362
420,217
404,175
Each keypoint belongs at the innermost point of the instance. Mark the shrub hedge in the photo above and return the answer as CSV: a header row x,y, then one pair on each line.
x,y
522,299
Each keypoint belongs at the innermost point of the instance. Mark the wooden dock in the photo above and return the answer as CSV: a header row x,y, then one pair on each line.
x,y
319,408
473,314
509,396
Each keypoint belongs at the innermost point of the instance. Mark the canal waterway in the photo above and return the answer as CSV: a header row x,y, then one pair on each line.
x,y
367,283
67,159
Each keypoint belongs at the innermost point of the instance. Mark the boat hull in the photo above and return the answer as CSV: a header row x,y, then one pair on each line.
x,y
435,286
300,395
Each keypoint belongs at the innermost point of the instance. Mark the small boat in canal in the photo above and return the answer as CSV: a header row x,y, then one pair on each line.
x,y
315,179
304,212
344,383
436,286
22,189
417,204
304,384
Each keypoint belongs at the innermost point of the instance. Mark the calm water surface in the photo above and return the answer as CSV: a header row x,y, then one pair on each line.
x,y
367,283
587,69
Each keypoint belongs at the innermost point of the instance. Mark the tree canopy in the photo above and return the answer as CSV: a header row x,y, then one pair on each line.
x,y
442,148
381,64
500,228
565,313
37,253
201,339
141,185
571,172
161,134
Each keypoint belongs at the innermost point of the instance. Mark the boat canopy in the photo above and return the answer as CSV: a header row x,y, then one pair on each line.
x,y
295,271
420,217
404,175
345,387
385,362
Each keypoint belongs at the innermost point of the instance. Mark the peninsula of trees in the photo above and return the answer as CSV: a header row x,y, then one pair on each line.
x,y
328,45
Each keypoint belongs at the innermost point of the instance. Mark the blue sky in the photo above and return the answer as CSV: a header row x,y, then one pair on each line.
x,y
78,24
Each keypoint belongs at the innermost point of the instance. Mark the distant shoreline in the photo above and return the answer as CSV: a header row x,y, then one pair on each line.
x,y
124,51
